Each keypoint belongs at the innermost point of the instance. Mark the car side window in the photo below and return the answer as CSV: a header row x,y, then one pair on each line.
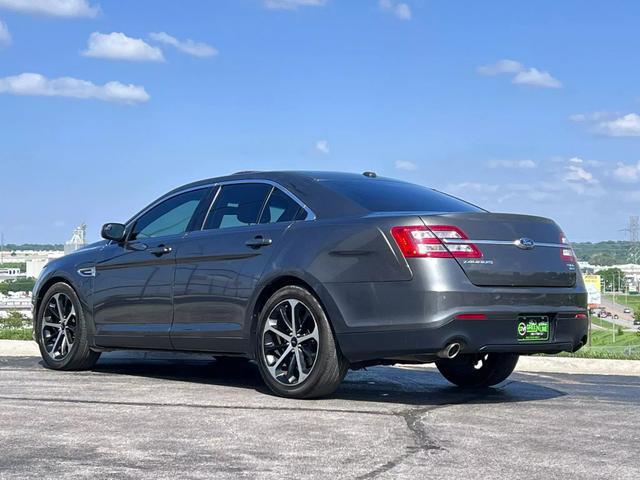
x,y
237,205
170,217
280,208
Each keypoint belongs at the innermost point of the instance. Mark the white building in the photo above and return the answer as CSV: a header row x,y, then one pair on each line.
x,y
77,240
35,266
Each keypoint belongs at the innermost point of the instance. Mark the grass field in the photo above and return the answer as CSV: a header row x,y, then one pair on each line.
x,y
15,334
625,347
631,301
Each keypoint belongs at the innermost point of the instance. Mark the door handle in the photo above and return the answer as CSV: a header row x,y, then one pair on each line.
x,y
160,250
258,241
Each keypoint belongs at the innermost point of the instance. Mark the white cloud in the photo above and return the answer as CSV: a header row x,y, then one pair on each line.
x,y
625,126
627,173
5,36
524,164
36,84
500,67
197,49
521,74
589,117
293,4
474,187
57,8
401,10
117,46
576,173
537,78
406,165
322,146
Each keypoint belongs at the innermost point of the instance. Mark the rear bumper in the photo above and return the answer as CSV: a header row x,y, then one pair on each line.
x,y
475,336
379,320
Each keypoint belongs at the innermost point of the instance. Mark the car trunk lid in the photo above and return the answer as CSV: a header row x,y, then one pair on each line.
x,y
516,250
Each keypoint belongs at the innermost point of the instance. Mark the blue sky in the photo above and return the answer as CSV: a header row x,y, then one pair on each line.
x,y
520,107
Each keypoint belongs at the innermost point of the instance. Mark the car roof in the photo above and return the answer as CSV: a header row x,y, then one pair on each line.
x,y
306,185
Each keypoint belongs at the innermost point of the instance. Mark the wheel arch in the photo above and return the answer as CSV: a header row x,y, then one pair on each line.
x,y
61,277
314,287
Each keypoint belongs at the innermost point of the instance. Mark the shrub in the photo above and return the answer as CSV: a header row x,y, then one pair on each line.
x,y
15,319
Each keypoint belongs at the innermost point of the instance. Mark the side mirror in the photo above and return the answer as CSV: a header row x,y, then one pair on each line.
x,y
113,231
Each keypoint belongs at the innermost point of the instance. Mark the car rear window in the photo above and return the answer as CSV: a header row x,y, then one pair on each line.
x,y
387,196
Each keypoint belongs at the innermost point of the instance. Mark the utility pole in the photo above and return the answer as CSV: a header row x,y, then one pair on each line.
x,y
1,248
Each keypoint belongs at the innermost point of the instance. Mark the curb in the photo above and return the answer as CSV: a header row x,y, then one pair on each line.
x,y
585,366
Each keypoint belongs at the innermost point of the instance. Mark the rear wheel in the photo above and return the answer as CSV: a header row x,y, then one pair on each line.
x,y
478,370
297,353
61,331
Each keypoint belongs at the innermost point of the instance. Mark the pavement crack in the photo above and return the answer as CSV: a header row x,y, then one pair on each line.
x,y
197,405
421,439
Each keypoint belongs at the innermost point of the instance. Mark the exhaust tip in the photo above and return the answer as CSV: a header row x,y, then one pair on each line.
x,y
450,351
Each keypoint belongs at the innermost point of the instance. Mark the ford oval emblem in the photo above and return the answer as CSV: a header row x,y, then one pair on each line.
x,y
525,243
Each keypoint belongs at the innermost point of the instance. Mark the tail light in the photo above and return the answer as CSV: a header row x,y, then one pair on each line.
x,y
432,242
566,252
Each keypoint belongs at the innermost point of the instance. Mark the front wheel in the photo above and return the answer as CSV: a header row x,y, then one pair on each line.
x,y
297,353
478,370
61,331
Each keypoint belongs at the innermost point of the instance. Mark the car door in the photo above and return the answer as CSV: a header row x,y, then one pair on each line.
x,y
219,266
133,286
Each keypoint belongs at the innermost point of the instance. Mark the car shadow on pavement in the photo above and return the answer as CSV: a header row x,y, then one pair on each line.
x,y
382,384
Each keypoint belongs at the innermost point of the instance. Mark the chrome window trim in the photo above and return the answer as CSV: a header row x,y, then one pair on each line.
x,y
502,242
310,215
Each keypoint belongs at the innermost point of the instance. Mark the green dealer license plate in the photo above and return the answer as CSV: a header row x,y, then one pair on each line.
x,y
533,328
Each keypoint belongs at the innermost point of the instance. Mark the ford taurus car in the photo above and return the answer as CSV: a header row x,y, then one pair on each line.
x,y
310,274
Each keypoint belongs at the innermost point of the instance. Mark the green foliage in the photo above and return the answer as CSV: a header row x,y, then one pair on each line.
x,y
15,327
16,334
603,258
612,278
33,246
19,285
21,265
605,253
14,319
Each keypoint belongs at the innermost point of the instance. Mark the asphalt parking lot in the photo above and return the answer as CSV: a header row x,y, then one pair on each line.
x,y
191,417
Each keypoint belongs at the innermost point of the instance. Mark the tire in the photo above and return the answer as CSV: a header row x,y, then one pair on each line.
x,y
314,366
78,354
478,370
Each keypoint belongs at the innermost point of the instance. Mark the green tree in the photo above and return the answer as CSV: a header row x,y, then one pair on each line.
x,y
604,259
612,279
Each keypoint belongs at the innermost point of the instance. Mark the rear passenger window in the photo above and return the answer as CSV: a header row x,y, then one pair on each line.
x,y
280,208
237,205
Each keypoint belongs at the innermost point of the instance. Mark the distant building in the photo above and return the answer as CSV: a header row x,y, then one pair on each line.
x,y
10,274
77,240
35,266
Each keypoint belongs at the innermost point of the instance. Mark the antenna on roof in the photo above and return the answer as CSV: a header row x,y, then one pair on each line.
x,y
370,174
241,172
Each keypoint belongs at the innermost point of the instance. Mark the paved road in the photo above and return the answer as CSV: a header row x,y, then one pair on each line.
x,y
625,319
195,418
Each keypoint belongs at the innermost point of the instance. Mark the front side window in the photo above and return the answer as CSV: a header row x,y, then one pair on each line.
x,y
281,208
237,205
170,217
